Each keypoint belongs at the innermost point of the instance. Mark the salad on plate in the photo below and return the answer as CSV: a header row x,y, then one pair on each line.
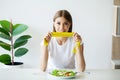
x,y
63,73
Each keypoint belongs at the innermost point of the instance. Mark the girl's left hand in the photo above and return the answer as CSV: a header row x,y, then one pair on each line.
x,y
77,37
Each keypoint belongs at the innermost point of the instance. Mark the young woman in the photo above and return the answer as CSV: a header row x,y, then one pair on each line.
x,y
58,54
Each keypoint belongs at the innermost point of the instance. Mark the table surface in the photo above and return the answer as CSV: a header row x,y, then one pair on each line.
x,y
36,74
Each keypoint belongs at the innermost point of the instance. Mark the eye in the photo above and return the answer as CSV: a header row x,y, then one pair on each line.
x,y
58,23
66,23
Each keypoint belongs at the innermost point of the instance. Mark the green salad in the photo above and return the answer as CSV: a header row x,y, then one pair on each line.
x,y
63,73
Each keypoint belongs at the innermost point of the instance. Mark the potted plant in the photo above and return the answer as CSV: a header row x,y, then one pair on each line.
x,y
11,42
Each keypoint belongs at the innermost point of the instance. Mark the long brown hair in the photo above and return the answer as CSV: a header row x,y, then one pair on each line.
x,y
66,15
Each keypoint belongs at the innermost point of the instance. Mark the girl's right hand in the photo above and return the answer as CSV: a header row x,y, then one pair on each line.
x,y
48,37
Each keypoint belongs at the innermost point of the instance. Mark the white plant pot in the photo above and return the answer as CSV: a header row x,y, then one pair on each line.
x,y
16,65
2,65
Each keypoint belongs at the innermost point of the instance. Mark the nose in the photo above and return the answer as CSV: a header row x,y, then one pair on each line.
x,y
62,27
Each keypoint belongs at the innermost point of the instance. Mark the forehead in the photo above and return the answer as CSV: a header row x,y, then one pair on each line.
x,y
61,19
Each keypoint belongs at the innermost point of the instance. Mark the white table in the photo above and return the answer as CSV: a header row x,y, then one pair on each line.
x,y
36,74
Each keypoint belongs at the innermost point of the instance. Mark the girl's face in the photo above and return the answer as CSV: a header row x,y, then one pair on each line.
x,y
61,24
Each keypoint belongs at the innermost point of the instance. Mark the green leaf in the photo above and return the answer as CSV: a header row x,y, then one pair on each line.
x,y
5,45
19,28
4,31
21,41
20,52
4,34
5,24
5,58
22,38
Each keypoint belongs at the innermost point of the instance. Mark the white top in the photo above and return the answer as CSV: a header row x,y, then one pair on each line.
x,y
61,56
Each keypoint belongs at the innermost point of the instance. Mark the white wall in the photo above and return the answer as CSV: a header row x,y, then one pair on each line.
x,y
93,19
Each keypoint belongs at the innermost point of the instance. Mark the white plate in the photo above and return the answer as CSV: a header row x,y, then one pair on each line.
x,y
65,77
61,77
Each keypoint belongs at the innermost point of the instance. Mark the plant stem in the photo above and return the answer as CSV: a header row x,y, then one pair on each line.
x,y
12,46
12,50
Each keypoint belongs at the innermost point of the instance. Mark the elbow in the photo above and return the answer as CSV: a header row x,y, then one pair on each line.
x,y
83,67
43,68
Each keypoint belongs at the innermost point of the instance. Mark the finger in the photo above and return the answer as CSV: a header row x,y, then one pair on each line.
x,y
74,34
50,34
47,38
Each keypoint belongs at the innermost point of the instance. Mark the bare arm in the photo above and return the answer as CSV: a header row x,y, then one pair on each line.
x,y
44,58
80,58
79,53
44,53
